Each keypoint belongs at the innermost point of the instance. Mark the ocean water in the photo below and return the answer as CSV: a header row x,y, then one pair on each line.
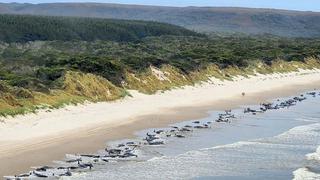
x,y
277,144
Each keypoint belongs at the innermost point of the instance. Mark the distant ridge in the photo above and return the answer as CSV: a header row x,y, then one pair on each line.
x,y
203,19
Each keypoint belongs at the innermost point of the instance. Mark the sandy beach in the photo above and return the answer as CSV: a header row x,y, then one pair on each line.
x,y
37,139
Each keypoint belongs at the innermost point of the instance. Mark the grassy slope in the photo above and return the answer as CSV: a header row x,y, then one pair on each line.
x,y
76,88
79,87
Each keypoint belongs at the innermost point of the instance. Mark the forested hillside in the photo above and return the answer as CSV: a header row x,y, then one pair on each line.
x,y
201,19
52,73
23,28
47,62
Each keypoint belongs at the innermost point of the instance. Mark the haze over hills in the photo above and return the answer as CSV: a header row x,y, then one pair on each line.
x,y
202,19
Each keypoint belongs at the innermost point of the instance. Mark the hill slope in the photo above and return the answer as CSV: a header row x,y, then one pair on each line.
x,y
241,20
23,28
52,73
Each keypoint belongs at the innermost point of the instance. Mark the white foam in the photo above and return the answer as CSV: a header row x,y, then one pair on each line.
x,y
313,120
305,174
307,132
233,145
315,155
156,158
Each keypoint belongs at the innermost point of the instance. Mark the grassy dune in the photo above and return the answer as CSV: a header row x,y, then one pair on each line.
x,y
78,87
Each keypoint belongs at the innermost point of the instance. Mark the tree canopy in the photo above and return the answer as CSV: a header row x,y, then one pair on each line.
x,y
24,28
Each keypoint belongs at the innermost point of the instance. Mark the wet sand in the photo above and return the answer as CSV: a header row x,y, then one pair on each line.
x,y
18,156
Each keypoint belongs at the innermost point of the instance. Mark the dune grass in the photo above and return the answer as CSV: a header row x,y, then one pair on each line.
x,y
78,87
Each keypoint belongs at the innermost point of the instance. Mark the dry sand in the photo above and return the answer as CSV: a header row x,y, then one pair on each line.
x,y
37,139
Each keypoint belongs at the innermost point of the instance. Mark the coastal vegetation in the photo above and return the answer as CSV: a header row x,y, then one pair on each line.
x,y
50,71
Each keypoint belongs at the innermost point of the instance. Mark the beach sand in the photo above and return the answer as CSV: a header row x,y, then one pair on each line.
x,y
37,139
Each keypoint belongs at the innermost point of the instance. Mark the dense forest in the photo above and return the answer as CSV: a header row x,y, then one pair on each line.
x,y
51,61
43,62
24,28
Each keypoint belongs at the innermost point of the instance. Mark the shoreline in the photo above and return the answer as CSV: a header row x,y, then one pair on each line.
x,y
18,153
